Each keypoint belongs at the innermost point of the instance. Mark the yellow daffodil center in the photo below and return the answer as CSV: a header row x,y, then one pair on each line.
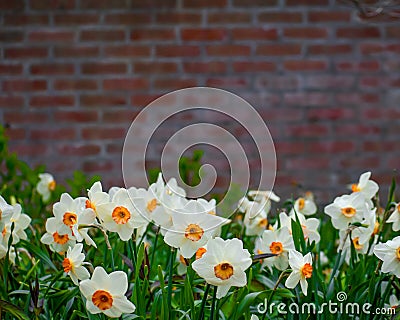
x,y
102,300
200,252
194,232
51,185
60,238
121,215
182,260
3,233
69,219
223,270
276,247
356,243
301,203
398,208
263,223
67,265
348,212
151,205
355,187
306,271
398,253
212,213
90,205
376,228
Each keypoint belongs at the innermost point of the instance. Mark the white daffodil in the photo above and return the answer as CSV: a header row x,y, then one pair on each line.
x,y
66,212
309,226
254,317
304,206
21,221
210,208
389,253
191,230
96,197
105,293
368,188
347,209
121,216
395,218
72,264
255,219
278,242
46,186
264,199
224,264
6,211
301,270
394,303
58,242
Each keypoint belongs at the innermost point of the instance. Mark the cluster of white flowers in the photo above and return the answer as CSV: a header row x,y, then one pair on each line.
x,y
11,219
355,212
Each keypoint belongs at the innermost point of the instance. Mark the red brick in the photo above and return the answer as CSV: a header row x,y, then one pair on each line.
x,y
289,147
24,85
254,34
52,134
174,84
142,100
305,65
204,3
329,16
152,34
368,48
95,133
25,53
51,101
393,32
11,36
102,35
76,116
104,68
278,49
11,101
98,166
306,99
327,49
358,32
330,82
125,84
307,163
331,147
78,150
356,98
177,51
363,66
51,36
155,67
15,133
127,51
29,150
305,33
66,19
204,67
255,3
281,83
128,18
79,84
307,2
52,4
275,114
15,117
148,4
76,52
119,116
249,66
102,100
309,130
360,161
228,17
195,34
280,17
51,69
25,19
330,114
104,4
228,82
228,50
12,5
10,69
178,18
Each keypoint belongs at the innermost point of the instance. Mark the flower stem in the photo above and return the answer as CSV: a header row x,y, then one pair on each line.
x,y
155,246
169,294
214,299
203,302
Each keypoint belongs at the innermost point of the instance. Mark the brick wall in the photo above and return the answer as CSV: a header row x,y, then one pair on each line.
x,y
74,73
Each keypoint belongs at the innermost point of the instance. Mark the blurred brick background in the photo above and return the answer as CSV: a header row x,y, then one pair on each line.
x,y
75,72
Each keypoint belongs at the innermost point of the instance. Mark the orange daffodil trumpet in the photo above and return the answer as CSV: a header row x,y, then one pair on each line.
x,y
105,293
224,264
301,270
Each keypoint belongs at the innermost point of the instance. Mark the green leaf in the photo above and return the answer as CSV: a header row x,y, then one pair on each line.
x,y
13,310
39,253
